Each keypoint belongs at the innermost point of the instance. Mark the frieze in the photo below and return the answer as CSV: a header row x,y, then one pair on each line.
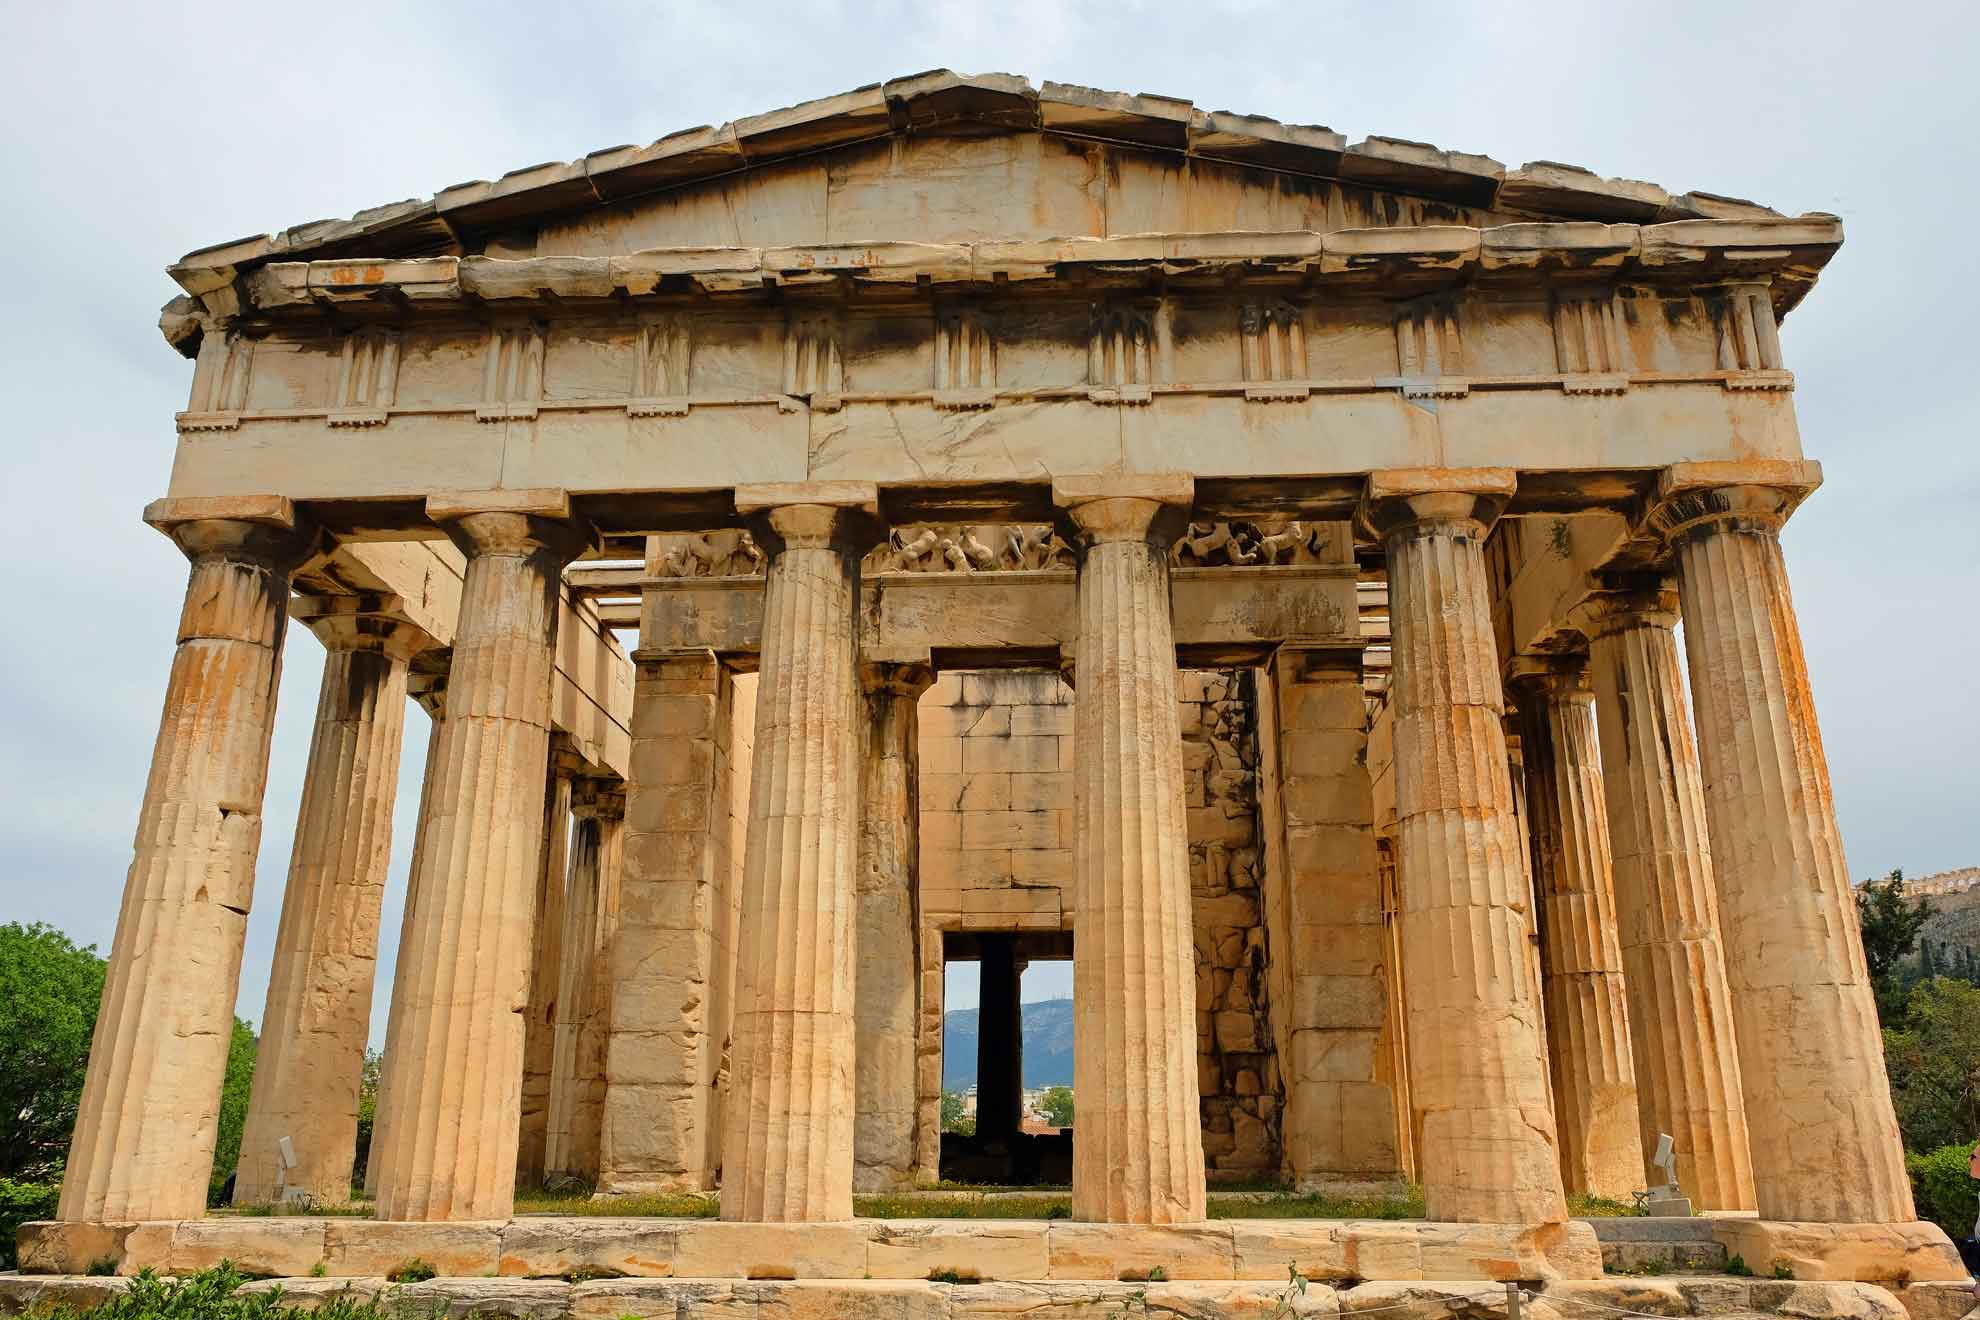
x,y
970,548
727,553
1207,545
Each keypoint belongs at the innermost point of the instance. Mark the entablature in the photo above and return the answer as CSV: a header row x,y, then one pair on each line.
x,y
1587,346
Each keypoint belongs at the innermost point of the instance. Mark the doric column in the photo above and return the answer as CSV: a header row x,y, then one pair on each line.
x,y
150,1111
670,1004
1667,914
1138,1153
787,1136
1825,1142
1475,1042
546,965
1587,1021
886,997
584,993
452,1147
318,1015
999,1040
427,685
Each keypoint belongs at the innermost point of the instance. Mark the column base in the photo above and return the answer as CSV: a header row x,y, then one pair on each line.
x,y
1860,1253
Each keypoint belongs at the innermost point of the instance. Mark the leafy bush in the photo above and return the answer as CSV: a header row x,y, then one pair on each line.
x,y
20,1203
1946,1193
213,1295
234,1091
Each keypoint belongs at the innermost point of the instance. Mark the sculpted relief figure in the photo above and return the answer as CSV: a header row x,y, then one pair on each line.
x,y
990,548
1037,546
710,555
1209,544
1213,543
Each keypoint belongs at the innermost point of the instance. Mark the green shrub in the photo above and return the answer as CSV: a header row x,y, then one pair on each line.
x,y
412,1271
21,1203
215,1295
1945,1192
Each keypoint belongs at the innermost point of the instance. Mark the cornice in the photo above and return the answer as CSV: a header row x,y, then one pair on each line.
x,y
1786,254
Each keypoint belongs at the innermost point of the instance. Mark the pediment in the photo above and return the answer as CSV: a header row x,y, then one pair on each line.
x,y
946,158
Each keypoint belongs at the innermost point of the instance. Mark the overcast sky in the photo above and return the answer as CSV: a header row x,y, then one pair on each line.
x,y
134,134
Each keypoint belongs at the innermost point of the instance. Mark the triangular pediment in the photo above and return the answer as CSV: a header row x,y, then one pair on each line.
x,y
945,158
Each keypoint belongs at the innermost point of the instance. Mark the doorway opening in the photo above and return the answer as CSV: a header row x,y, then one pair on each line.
x,y
1004,1054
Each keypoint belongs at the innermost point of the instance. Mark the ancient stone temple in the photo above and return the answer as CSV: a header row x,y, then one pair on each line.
x,y
964,521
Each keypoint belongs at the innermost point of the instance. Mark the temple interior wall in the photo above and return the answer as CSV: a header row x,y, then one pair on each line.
x,y
996,800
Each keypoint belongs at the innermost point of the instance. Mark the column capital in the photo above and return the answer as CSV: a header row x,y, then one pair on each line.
x,y
1694,498
1399,499
566,762
1126,507
593,798
427,682
1549,677
361,623
265,529
834,515
511,522
902,678
1626,601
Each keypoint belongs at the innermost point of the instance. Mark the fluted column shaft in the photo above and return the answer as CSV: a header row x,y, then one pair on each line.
x,y
546,969
318,1015
1138,1152
385,1106
1825,1141
150,1110
787,1135
452,1147
887,988
1667,914
1476,1066
1587,1018
580,946
583,1005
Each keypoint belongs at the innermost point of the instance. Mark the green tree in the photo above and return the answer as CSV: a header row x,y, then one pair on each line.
x,y
1890,926
374,1069
233,1107
1934,1064
49,989
1057,1105
953,1119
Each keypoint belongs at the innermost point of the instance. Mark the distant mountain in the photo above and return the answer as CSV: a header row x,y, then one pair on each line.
x,y
1048,1046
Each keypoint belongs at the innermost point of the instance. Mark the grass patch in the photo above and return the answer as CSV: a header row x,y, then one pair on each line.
x,y
882,1206
676,1205
296,1210
1583,1206
1319,1205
